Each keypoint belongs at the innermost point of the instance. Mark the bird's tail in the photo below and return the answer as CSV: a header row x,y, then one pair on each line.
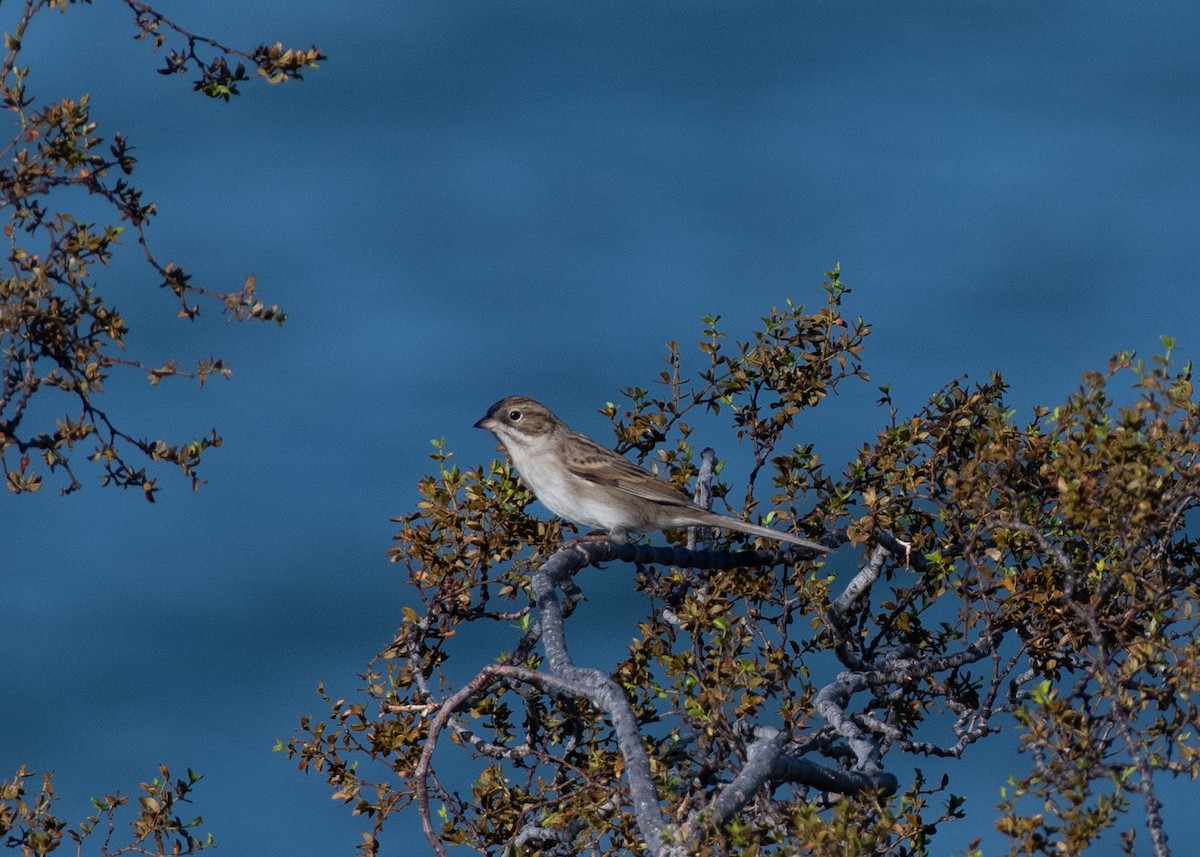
x,y
755,530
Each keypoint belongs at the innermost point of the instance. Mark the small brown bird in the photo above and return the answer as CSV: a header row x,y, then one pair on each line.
x,y
582,481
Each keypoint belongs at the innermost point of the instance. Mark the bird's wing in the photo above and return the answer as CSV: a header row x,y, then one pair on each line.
x,y
591,461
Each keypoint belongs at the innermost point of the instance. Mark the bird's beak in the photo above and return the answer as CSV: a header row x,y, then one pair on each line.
x,y
486,423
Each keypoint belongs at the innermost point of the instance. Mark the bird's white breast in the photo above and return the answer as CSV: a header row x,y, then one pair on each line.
x,y
560,490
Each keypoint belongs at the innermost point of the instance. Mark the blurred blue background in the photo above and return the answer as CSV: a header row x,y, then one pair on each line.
x,y
475,199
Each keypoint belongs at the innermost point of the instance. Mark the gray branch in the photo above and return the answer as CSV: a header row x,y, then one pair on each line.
x,y
831,702
767,761
703,493
469,693
597,686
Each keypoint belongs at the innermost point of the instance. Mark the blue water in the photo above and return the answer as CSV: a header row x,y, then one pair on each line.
x,y
474,199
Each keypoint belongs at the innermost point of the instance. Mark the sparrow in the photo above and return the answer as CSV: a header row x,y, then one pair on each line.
x,y
582,481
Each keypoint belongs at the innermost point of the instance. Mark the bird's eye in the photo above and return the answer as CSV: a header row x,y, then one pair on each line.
x,y
514,415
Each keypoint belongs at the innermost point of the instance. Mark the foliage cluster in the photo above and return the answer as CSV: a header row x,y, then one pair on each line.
x,y
28,822
59,337
1035,576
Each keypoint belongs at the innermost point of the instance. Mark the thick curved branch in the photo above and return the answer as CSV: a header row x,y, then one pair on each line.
x,y
596,685
761,757
830,703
